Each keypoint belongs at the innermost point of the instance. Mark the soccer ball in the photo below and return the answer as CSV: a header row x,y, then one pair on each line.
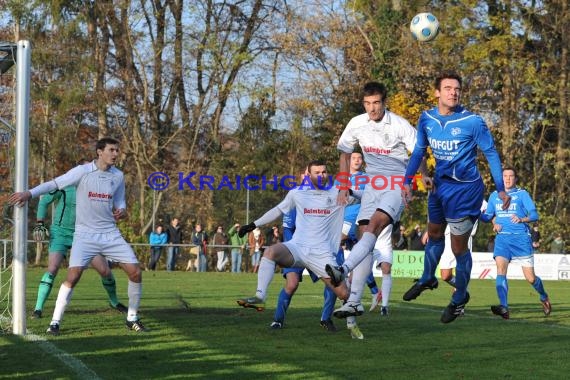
x,y
424,27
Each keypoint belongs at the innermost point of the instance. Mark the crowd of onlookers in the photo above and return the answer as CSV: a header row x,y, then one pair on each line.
x,y
220,250
223,250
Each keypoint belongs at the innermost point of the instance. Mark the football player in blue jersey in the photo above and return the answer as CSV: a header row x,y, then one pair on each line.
x,y
454,135
513,242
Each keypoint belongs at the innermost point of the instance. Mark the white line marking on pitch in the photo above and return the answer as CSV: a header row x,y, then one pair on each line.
x,y
69,360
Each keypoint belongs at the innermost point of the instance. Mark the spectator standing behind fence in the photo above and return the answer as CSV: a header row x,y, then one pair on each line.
x,y
535,237
238,244
220,238
402,241
557,245
200,240
274,236
156,239
416,239
256,242
174,233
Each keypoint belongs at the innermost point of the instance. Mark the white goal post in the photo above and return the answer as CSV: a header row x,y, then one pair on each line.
x,y
19,262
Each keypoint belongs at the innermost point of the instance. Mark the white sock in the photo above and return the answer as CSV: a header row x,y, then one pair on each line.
x,y
350,321
63,299
362,249
386,288
264,276
134,292
359,276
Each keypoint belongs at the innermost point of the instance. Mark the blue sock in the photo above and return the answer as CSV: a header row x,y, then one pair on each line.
x,y
328,306
371,282
340,256
462,276
434,250
537,285
502,289
282,305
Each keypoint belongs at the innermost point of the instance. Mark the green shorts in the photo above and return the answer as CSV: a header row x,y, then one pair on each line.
x,y
60,240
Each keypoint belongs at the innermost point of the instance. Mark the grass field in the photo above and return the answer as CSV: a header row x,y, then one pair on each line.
x,y
215,339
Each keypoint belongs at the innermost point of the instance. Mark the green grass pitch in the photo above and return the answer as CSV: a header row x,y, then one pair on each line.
x,y
199,332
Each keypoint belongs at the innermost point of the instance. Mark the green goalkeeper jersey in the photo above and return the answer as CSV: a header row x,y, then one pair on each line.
x,y
64,214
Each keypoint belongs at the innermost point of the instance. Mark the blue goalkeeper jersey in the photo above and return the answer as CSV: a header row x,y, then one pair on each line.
x,y
521,205
454,140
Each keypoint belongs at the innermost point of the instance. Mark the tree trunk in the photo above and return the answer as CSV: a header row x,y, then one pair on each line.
x,y
562,155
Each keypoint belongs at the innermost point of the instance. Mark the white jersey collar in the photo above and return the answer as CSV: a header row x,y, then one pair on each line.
x,y
385,120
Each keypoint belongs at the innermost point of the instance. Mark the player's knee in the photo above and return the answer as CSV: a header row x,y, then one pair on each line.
x,y
134,273
136,277
342,292
105,272
445,275
436,231
291,288
72,278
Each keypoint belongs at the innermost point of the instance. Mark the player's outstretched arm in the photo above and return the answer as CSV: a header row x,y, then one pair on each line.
x,y
267,218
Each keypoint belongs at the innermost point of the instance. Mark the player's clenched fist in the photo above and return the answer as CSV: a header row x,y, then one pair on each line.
x,y
245,229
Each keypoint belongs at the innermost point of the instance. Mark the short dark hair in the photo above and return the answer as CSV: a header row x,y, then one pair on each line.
x,y
103,142
315,163
447,75
511,169
375,88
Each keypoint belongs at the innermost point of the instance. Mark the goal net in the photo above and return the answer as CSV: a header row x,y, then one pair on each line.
x,y
7,135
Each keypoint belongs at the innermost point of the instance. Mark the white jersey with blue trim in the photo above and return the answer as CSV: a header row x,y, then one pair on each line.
x,y
454,140
319,219
98,194
385,144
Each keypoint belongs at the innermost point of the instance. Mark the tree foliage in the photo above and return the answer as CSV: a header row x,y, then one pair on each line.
x,y
261,87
